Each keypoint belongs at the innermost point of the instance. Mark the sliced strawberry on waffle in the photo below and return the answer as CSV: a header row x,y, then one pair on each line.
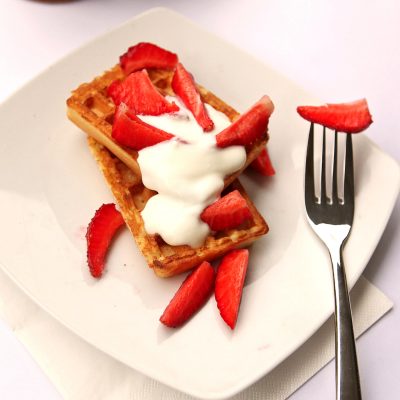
x,y
100,232
139,94
184,86
351,117
193,293
262,164
129,130
115,91
228,212
250,126
147,55
229,284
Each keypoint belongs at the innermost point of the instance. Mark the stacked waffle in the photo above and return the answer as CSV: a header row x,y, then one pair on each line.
x,y
93,110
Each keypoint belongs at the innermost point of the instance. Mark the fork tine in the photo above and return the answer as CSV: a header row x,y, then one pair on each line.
x,y
323,169
335,198
349,173
309,175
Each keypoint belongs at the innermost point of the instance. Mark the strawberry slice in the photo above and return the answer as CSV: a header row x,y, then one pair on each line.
x,y
351,117
249,126
184,87
100,232
139,94
229,284
227,212
147,55
115,91
131,131
262,164
193,293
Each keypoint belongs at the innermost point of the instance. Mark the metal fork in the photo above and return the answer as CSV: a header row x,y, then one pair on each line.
x,y
331,219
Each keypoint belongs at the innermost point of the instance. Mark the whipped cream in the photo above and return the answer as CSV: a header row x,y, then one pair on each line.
x,y
183,125
187,172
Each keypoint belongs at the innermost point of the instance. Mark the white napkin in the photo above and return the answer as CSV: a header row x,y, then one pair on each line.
x,y
87,373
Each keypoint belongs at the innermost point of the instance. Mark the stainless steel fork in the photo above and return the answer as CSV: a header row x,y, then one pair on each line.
x,y
331,219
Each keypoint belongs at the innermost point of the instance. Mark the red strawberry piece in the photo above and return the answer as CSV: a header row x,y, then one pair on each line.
x,y
100,232
351,117
227,212
193,293
129,130
115,90
262,164
229,284
249,126
184,86
147,55
139,94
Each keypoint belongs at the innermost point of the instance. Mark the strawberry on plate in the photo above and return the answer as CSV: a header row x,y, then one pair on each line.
x,y
192,294
229,284
250,126
351,117
184,86
140,95
147,55
129,130
100,232
227,212
262,164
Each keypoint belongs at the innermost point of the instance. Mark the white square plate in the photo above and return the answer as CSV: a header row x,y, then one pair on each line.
x,y
50,188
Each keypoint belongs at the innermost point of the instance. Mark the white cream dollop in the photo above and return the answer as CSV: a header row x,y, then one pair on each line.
x,y
188,174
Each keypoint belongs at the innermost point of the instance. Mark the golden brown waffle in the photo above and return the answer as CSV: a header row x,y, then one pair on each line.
x,y
92,110
168,260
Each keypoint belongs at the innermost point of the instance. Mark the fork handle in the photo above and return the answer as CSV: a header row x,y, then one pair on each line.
x,y
347,377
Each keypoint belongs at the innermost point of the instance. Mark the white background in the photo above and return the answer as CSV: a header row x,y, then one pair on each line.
x,y
340,50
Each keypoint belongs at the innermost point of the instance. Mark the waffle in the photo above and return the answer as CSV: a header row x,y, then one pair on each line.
x,y
92,110
167,260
